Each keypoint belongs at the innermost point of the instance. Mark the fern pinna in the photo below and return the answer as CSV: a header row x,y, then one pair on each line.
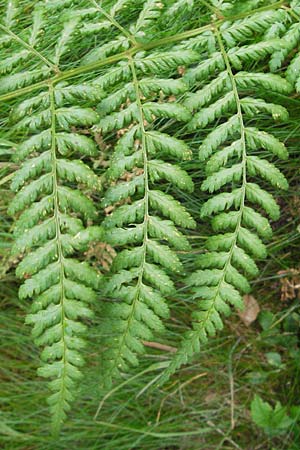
x,y
54,214
146,226
237,212
132,72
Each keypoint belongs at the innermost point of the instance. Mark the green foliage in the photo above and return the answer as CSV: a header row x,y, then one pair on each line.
x,y
141,278
150,87
49,235
54,212
273,421
223,270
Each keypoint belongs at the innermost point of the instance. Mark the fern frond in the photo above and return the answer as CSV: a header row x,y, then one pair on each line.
x,y
52,225
141,271
130,71
229,261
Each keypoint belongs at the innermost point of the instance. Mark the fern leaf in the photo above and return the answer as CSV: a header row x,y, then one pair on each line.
x,y
178,5
252,52
245,28
218,137
165,230
257,195
142,269
257,139
78,172
75,201
221,202
206,68
30,169
49,235
149,13
118,45
205,95
67,143
126,214
262,167
123,236
11,13
161,254
164,61
217,180
166,110
123,190
7,64
157,141
221,158
64,41
252,107
220,282
171,208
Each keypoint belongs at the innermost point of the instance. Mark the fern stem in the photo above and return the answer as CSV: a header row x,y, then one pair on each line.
x,y
60,257
65,75
145,158
29,48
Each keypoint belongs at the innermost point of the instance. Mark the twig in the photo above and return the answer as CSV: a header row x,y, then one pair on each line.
x,y
166,348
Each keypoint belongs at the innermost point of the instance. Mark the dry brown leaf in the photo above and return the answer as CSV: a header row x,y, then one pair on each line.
x,y
100,141
121,132
251,310
289,284
136,171
109,209
103,253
